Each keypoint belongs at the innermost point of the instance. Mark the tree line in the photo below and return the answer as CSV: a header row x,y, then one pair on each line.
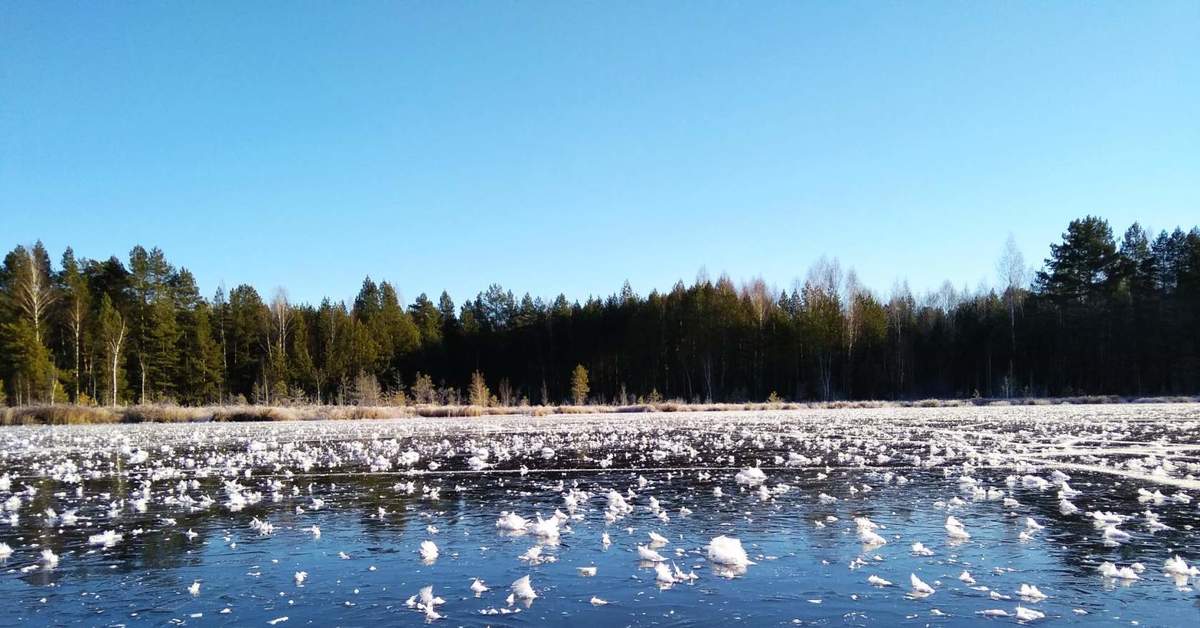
x,y
1101,316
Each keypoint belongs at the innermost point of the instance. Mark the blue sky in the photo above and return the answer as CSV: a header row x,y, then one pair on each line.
x,y
565,147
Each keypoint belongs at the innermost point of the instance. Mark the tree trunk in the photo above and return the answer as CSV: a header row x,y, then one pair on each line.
x,y
78,375
115,360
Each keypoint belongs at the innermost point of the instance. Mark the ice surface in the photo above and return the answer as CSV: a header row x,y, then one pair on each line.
x,y
675,518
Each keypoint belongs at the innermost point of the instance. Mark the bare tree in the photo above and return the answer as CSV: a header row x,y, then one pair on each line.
x,y
113,328
900,310
280,312
281,318
505,391
423,390
826,275
34,293
946,298
366,389
76,319
822,295
115,344
221,310
760,297
852,306
1011,265
1013,276
761,300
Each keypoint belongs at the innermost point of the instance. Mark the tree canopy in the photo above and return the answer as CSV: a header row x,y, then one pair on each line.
x,y
1101,316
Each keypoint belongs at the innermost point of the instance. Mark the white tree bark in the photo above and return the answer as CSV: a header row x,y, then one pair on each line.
x,y
115,345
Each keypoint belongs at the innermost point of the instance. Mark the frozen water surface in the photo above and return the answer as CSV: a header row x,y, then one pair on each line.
x,y
1038,515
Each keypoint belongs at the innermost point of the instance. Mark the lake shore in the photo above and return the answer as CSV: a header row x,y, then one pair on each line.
x,y
70,414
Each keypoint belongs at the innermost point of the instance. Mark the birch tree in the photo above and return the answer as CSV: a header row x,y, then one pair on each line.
x,y
852,304
1013,276
823,313
30,293
77,304
34,292
281,321
113,331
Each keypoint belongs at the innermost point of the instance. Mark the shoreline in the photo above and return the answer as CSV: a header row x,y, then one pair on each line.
x,y
70,414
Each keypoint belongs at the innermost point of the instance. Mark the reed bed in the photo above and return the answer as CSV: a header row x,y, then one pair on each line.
x,y
68,414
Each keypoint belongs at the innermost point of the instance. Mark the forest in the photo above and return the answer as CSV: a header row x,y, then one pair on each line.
x,y
1101,316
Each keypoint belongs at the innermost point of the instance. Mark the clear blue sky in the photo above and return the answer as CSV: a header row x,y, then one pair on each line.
x,y
566,146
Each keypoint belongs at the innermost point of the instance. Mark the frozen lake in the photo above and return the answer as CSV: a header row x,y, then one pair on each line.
x,y
325,523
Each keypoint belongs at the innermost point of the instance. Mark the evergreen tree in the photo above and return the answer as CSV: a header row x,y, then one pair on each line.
x,y
400,335
248,337
303,383
155,334
1103,317
197,379
1081,268
428,321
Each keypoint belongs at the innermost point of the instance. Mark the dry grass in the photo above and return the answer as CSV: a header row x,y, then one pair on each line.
x,y
59,414
163,414
66,414
1170,399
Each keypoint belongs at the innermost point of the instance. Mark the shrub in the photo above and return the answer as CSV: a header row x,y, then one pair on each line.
x,y
478,393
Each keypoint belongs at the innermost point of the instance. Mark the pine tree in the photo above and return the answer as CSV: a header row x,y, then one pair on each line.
x,y
301,352
428,321
448,314
248,337
402,338
153,327
1102,317
1083,266
200,358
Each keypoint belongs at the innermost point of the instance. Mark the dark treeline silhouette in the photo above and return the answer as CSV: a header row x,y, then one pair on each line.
x,y
1101,317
